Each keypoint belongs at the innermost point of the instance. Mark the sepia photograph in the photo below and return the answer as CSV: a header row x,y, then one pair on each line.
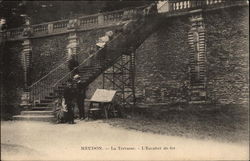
x,y
124,80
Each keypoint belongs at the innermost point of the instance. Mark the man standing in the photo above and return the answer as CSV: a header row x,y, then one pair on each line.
x,y
80,94
72,64
68,95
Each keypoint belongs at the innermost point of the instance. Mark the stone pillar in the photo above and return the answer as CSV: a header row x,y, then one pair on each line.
x,y
73,43
26,58
197,53
26,61
26,64
73,46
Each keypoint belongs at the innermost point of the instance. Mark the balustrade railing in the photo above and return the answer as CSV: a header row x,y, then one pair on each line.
x,y
15,33
178,5
85,22
59,26
40,29
98,20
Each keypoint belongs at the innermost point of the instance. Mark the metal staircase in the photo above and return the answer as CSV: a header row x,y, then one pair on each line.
x,y
91,67
45,90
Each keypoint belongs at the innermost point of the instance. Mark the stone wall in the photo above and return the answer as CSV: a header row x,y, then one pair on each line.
x,y
228,54
162,64
50,51
162,61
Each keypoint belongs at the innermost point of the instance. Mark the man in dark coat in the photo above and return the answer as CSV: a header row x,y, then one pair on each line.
x,y
72,64
80,94
68,95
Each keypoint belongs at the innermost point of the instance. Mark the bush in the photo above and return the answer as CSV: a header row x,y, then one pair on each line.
x,y
11,79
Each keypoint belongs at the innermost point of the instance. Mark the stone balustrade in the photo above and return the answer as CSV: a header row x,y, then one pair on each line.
x,y
80,23
110,18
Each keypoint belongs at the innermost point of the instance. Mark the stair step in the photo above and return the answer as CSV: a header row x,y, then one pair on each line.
x,y
37,112
50,98
197,102
42,108
61,87
46,100
46,118
42,104
59,90
51,94
87,74
91,71
90,68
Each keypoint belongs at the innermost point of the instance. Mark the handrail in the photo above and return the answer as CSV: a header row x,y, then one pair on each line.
x,y
67,60
48,74
88,58
71,72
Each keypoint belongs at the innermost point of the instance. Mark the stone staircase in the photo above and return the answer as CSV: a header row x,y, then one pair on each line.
x,y
43,111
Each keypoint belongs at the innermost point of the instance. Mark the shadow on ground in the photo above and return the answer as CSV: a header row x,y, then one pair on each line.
x,y
228,123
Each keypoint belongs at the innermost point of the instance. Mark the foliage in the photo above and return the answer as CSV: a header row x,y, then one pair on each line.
x,y
11,81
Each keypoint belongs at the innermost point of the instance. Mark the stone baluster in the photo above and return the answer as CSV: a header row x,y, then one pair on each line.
x,y
184,4
181,5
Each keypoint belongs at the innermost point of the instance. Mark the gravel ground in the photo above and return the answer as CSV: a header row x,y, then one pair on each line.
x,y
223,123
97,140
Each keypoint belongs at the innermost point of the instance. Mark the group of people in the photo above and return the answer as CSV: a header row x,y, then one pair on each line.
x,y
73,95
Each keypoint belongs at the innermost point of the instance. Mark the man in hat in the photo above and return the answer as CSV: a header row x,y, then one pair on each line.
x,y
68,95
73,64
80,94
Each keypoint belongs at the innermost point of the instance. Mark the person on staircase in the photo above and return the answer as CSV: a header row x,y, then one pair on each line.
x,y
80,95
68,95
3,25
102,41
73,64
